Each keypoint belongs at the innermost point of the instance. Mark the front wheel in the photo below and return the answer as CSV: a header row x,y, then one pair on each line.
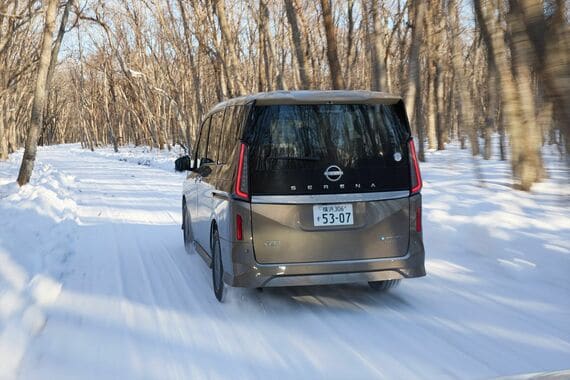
x,y
383,285
217,268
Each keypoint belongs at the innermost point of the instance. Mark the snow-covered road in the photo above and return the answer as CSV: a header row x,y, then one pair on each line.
x,y
95,283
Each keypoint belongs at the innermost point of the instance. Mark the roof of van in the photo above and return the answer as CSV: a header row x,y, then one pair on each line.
x,y
313,97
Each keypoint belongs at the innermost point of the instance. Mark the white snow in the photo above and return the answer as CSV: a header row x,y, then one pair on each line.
x,y
95,283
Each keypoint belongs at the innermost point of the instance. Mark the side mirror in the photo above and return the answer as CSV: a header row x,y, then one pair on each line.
x,y
183,164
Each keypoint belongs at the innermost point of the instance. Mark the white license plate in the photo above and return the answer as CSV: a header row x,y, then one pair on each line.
x,y
333,215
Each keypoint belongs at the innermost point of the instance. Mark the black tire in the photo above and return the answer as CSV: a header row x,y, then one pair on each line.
x,y
217,268
383,285
186,229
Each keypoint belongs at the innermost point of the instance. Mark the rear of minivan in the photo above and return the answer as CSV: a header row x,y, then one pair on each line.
x,y
326,190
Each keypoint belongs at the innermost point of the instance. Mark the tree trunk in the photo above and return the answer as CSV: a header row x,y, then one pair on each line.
x,y
529,159
265,51
268,50
414,81
3,139
523,161
550,44
192,128
440,105
502,137
490,119
473,100
57,43
376,41
431,104
349,44
417,11
432,74
332,50
493,90
291,9
263,81
228,40
107,88
36,118
450,120
465,104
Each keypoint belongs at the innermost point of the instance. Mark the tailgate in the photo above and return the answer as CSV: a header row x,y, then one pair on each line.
x,y
285,233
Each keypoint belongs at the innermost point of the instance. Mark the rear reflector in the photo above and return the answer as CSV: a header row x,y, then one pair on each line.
x,y
416,177
239,227
419,219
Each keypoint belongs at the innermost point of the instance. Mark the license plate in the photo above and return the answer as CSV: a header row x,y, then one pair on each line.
x,y
333,215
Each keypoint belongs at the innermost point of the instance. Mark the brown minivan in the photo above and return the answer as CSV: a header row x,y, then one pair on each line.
x,y
305,187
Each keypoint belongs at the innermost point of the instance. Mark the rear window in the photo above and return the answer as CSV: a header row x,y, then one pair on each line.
x,y
328,148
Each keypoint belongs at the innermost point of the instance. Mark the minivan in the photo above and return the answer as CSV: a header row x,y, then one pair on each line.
x,y
290,188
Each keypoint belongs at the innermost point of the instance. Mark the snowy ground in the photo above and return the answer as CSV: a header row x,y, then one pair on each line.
x,y
95,283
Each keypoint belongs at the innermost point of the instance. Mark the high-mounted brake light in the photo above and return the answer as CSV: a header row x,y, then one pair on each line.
x,y
241,188
414,169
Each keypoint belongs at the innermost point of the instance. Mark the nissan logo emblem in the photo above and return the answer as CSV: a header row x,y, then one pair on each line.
x,y
333,173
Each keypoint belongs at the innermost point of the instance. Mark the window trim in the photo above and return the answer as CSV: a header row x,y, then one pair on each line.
x,y
205,124
224,123
211,117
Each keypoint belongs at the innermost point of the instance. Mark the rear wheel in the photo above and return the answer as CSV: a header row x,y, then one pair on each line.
x,y
383,285
217,267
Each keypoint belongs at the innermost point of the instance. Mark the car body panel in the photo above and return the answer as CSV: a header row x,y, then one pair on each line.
x,y
243,270
285,233
201,220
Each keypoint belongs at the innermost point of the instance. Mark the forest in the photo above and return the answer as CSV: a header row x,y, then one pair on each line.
x,y
144,72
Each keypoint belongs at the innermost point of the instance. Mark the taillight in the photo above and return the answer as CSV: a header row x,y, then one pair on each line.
x,y
419,219
239,227
242,188
416,176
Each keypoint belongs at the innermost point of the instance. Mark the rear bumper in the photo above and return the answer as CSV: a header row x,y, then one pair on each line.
x,y
244,271
341,278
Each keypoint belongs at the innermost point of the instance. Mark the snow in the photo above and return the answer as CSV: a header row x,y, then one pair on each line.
x,y
95,282
140,155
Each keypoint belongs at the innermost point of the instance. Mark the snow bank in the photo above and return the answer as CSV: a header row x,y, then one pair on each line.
x,y
37,225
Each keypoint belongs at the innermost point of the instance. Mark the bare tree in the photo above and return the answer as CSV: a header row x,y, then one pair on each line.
x,y
154,66
332,50
292,10
376,41
525,161
231,61
413,93
39,95
464,95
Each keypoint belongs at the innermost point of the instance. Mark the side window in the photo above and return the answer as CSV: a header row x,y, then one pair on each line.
x,y
227,140
247,120
215,135
202,141
241,117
